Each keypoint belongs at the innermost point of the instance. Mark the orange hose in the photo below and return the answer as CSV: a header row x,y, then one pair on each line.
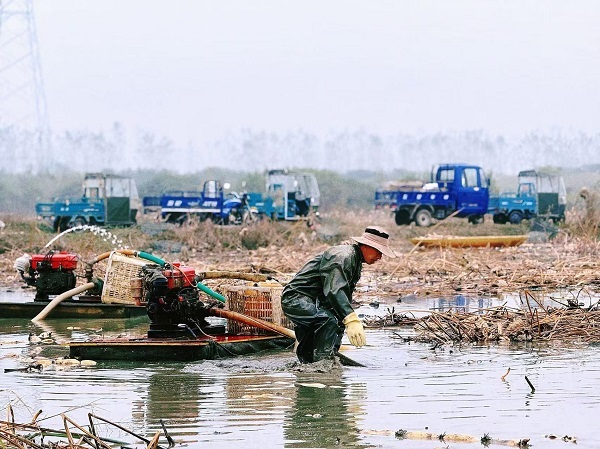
x,y
98,258
251,321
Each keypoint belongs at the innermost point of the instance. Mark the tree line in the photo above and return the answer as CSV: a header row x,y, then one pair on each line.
x,y
118,149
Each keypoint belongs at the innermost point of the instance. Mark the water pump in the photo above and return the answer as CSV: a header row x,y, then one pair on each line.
x,y
174,304
51,274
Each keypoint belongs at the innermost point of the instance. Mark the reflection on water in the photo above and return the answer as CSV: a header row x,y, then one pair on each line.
x,y
262,401
468,303
18,295
324,412
464,304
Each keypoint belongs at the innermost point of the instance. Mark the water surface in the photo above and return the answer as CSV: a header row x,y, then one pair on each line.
x,y
265,401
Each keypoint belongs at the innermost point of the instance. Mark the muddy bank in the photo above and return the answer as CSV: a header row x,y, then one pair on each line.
x,y
280,249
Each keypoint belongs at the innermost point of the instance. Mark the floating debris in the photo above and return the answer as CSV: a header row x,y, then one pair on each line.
x,y
444,437
502,324
73,435
391,318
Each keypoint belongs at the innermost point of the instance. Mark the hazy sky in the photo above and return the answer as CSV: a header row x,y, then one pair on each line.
x,y
194,70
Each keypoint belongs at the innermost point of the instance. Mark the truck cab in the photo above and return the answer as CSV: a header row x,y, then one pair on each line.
x,y
470,186
460,190
289,196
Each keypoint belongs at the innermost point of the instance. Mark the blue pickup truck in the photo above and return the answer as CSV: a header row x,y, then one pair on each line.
x,y
459,190
538,195
106,200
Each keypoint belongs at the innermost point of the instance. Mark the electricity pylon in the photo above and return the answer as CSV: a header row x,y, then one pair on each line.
x,y
22,97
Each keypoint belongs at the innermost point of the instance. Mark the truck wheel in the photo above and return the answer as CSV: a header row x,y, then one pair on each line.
x,y
402,217
515,217
500,219
423,218
232,219
79,221
60,224
476,219
248,217
173,218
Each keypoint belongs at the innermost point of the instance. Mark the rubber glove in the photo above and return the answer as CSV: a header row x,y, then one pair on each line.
x,y
355,330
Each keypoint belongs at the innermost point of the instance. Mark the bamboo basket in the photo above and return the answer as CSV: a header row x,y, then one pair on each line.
x,y
257,302
117,281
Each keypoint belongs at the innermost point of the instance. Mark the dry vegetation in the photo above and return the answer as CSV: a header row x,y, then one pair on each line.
x,y
503,324
568,260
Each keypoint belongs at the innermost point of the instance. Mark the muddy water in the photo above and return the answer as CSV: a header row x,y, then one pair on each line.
x,y
267,401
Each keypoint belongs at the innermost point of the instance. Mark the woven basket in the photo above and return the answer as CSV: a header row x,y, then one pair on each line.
x,y
257,302
117,281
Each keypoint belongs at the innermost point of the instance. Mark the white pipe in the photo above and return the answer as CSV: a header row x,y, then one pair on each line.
x,y
52,304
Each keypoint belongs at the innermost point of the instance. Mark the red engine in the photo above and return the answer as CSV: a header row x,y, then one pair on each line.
x,y
62,261
51,274
180,276
173,302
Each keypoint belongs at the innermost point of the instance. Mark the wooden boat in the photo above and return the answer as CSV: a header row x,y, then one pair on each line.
x,y
188,342
455,241
175,349
71,309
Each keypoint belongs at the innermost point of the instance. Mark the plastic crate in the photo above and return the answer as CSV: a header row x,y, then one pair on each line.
x,y
257,302
117,281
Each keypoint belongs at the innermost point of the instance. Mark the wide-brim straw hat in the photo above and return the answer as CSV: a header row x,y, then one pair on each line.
x,y
377,238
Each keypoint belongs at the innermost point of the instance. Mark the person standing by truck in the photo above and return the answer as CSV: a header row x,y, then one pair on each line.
x,y
318,298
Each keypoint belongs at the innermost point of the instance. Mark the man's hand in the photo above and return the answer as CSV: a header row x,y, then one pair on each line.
x,y
355,330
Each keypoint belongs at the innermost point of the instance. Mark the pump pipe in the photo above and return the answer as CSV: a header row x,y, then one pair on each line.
x,y
68,294
128,252
253,277
252,321
200,286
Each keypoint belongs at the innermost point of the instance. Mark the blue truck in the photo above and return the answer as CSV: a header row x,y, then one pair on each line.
x,y
106,200
459,190
177,206
538,195
289,196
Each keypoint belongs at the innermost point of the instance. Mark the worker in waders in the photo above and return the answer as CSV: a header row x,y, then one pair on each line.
x,y
318,299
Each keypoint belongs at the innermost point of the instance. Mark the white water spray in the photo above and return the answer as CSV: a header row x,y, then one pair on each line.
x,y
107,236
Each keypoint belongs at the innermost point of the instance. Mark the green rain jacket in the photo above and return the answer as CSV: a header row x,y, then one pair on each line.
x,y
329,279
